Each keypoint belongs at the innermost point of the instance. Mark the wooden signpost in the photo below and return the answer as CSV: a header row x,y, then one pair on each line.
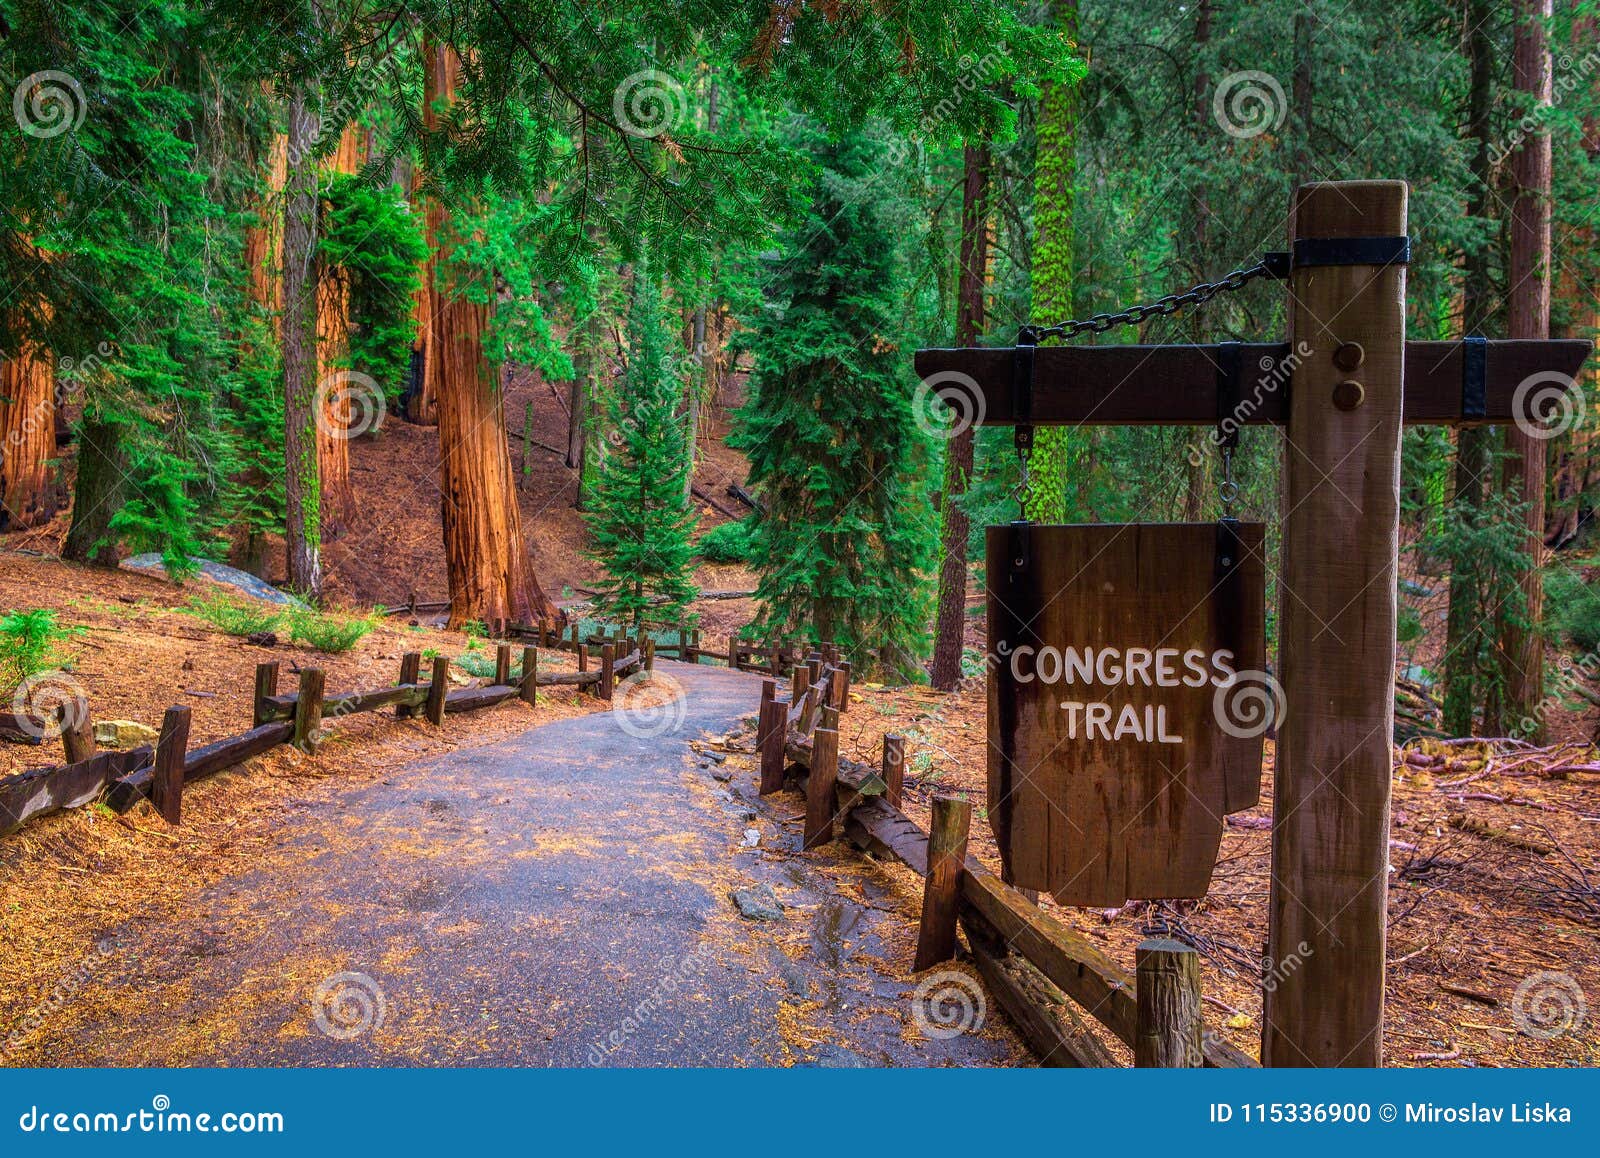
x,y
1117,650
1341,388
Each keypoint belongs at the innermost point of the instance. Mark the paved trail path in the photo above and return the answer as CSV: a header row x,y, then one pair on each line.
x,y
560,898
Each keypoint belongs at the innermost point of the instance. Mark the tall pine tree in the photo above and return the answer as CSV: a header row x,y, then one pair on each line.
x,y
638,508
844,545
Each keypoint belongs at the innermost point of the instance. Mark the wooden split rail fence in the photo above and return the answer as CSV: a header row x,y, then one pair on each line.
x,y
770,658
159,772
1052,980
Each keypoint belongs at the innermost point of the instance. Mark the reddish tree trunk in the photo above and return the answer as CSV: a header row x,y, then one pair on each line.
x,y
333,346
951,628
27,437
491,576
1521,648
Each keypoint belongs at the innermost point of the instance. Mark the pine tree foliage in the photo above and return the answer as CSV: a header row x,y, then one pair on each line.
x,y
639,516
844,545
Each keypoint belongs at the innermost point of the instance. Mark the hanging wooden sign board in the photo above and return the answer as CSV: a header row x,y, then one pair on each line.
x,y
1128,701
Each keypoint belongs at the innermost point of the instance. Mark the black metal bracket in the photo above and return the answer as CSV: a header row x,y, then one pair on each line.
x,y
1022,386
1315,251
1227,558
1474,375
1228,395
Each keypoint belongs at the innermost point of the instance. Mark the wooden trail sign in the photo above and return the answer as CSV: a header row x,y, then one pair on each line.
x,y
1127,703
1341,388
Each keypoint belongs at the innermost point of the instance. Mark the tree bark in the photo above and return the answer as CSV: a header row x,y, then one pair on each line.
x,y
27,437
1463,619
950,629
97,494
303,482
1521,646
333,347
1198,478
491,578
421,404
1055,174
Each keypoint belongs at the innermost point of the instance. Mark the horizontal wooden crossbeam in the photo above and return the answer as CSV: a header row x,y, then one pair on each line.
x,y
1177,385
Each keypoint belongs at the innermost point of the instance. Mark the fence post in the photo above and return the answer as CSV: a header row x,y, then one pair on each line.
x,y
77,732
771,727
581,651
797,683
530,676
836,683
941,892
1330,839
769,691
502,665
819,789
307,735
438,688
266,688
844,685
166,780
608,670
649,653
894,767
733,651
410,673
1168,1021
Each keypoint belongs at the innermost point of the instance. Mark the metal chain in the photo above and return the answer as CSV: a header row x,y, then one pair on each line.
x,y
1161,307
1273,265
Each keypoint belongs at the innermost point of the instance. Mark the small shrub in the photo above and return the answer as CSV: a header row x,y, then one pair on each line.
x,y
475,664
235,616
729,543
1572,609
29,644
329,632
